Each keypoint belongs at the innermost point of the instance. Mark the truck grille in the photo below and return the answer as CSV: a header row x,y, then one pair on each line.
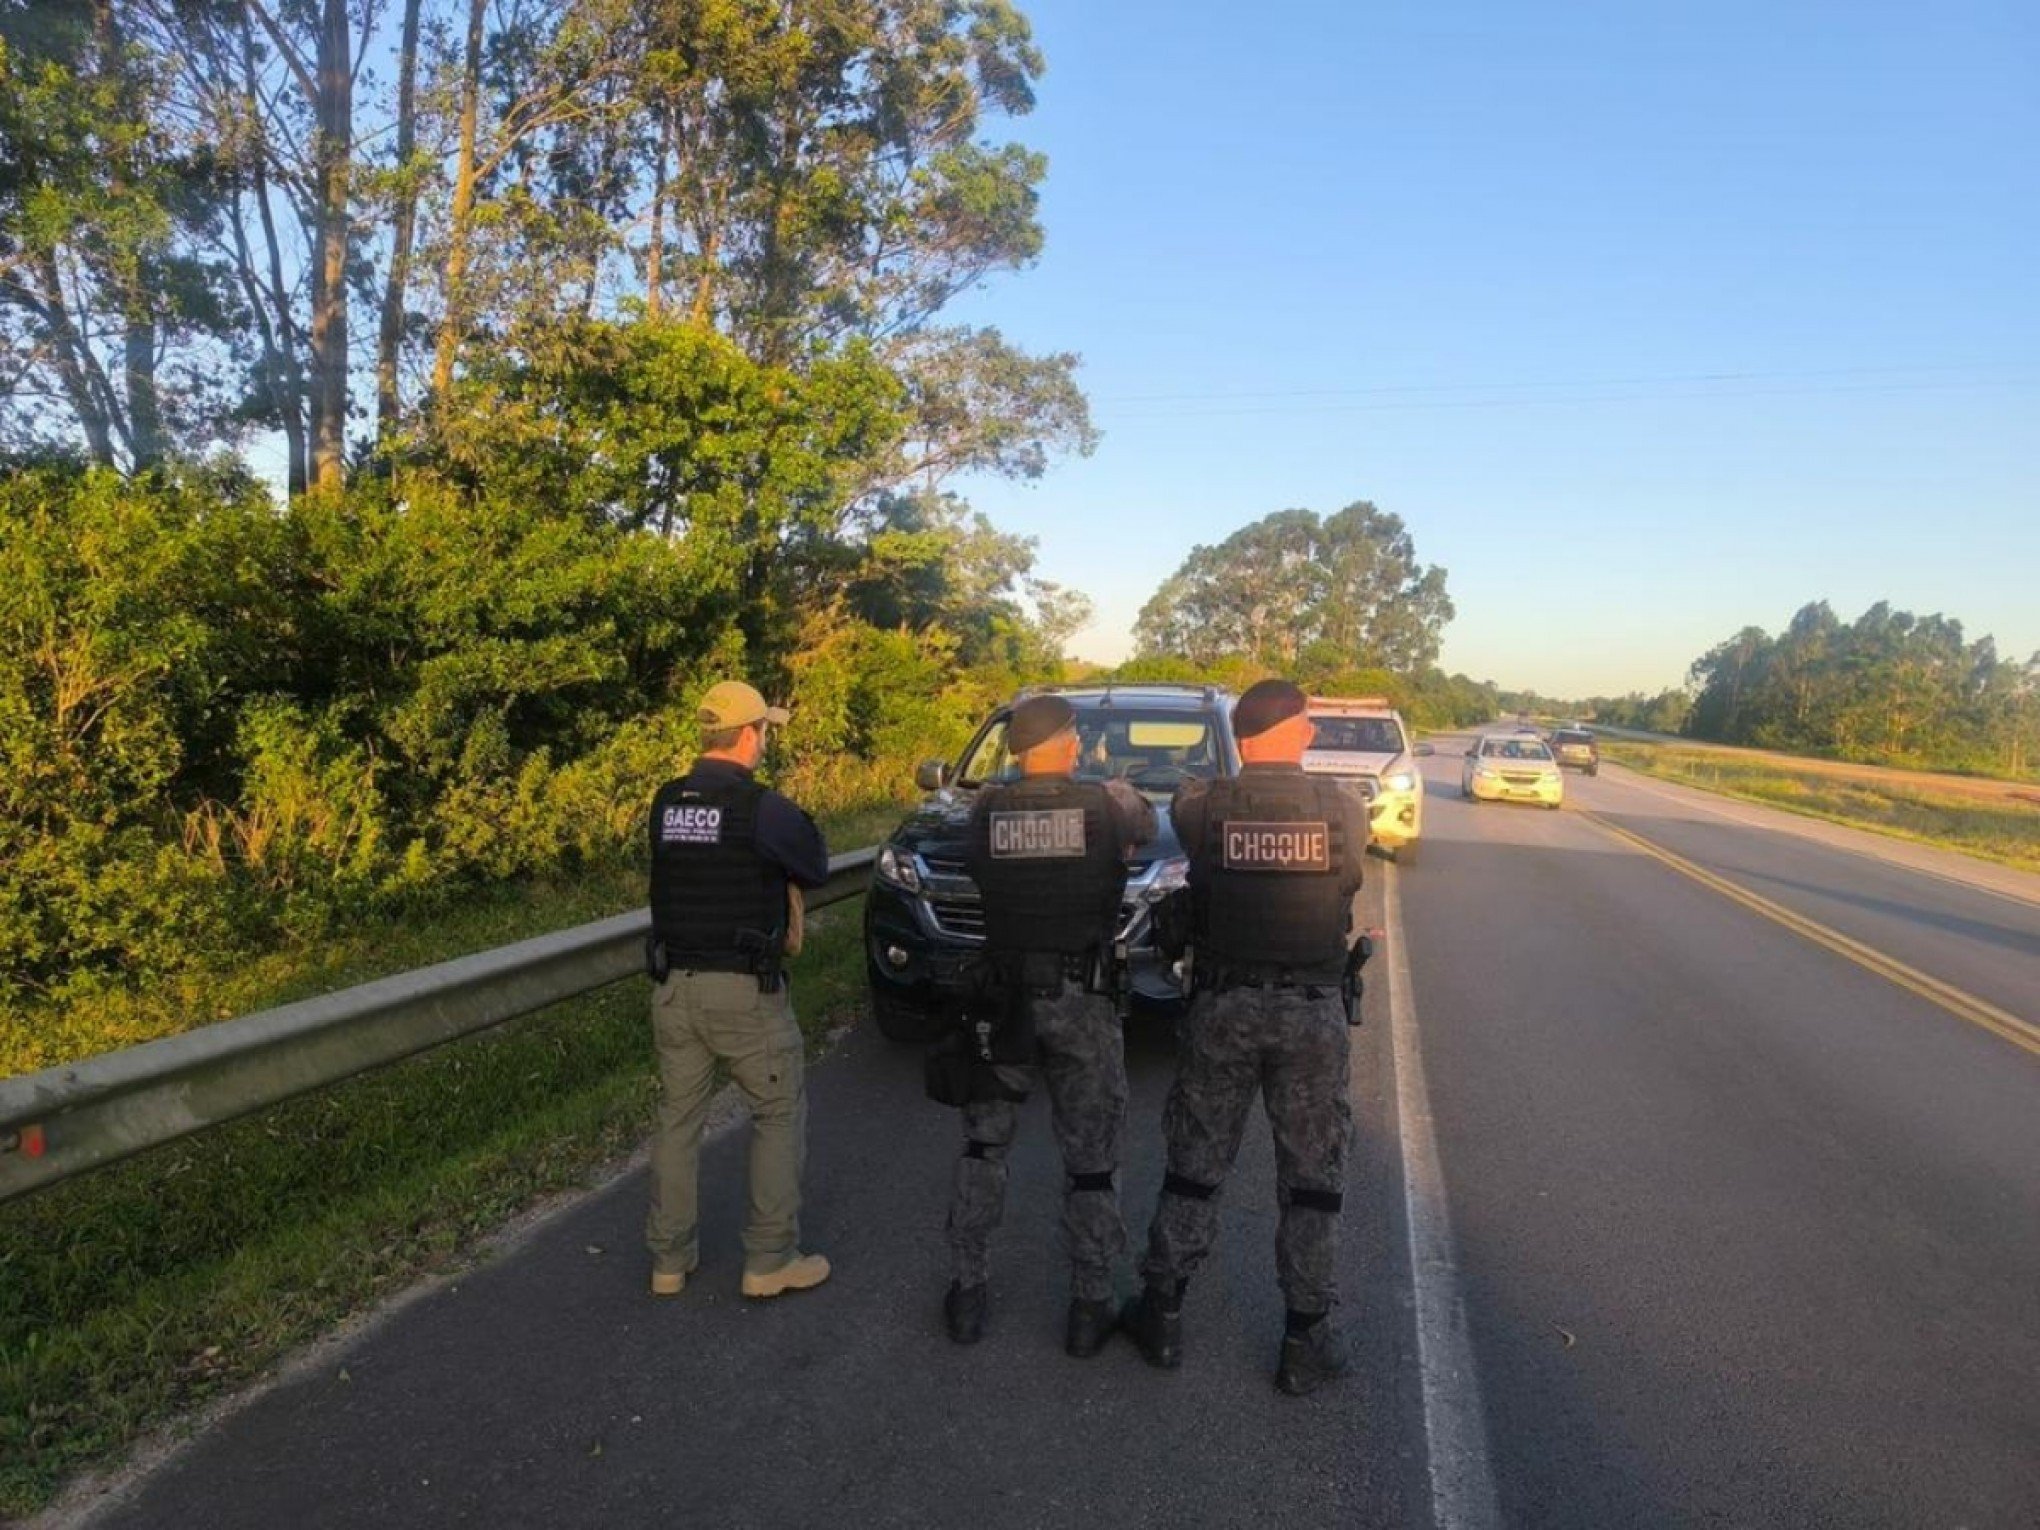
x,y
956,910
954,916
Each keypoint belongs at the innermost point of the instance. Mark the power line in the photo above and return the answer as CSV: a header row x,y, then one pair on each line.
x,y
1490,387
1386,400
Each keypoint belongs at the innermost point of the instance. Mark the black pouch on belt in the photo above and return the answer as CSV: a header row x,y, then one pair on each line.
x,y
946,1076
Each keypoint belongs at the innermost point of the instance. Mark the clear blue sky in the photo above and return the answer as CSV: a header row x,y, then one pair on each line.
x,y
1651,320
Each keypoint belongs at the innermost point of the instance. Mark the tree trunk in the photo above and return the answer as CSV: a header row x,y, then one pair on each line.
x,y
286,370
292,379
390,339
277,367
452,320
138,320
82,381
711,251
332,156
655,256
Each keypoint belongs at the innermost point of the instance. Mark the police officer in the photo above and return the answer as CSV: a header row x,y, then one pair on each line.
x,y
1049,856
725,852
1274,863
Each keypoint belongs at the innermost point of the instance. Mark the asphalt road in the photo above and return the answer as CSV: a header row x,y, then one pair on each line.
x,y
1747,1234
1742,1234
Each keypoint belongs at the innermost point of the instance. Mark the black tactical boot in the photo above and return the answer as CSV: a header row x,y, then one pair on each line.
x,y
966,1309
1091,1326
1311,1358
1156,1326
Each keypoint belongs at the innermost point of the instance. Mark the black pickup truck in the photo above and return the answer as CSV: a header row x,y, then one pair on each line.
x,y
922,918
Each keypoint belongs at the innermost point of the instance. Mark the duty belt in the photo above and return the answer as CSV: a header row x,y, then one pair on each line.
x,y
756,959
1278,978
1046,973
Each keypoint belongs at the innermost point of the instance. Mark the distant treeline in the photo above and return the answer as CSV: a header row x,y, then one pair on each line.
x,y
1889,688
1428,698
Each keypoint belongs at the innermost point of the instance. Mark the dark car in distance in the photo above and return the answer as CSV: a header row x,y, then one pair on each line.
x,y
1576,747
923,922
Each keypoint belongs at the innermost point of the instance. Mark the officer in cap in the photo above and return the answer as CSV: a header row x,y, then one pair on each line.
x,y
1274,863
726,856
1048,853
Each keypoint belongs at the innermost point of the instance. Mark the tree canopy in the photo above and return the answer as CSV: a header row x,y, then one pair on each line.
x,y
663,390
197,200
1346,588
1890,687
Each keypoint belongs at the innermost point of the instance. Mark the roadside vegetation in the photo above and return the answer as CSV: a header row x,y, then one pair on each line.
x,y
1891,688
1998,825
133,1295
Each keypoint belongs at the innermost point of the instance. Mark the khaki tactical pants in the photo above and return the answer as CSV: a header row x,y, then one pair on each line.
x,y
699,1018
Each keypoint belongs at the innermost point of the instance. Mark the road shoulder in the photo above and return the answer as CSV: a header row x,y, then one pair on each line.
x,y
1948,865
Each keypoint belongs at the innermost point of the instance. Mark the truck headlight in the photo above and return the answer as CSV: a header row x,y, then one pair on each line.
x,y
1400,781
1169,876
897,867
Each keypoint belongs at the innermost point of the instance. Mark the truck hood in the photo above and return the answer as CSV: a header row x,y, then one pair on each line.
x,y
1349,762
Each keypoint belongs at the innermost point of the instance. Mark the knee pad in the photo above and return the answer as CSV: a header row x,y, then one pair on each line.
x,y
1327,1201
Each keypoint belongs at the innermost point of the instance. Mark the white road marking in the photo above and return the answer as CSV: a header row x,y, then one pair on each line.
x,y
1455,1428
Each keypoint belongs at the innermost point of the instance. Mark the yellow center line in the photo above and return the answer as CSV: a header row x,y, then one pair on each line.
x,y
2002,1023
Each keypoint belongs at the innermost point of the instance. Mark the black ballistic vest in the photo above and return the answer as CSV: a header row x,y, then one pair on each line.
x,y
1049,866
717,904
1270,878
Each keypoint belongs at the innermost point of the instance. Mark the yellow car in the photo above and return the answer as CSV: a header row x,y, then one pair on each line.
x,y
1511,767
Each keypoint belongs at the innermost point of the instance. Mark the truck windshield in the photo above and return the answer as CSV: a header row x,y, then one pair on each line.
x,y
1153,751
1358,735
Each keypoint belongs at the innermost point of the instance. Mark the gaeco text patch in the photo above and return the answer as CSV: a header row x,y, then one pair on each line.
x,y
691,826
1277,847
1039,834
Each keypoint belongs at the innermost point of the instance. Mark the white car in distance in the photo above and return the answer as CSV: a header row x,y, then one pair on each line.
x,y
1362,740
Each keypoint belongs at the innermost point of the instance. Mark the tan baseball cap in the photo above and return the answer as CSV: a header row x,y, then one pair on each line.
x,y
733,704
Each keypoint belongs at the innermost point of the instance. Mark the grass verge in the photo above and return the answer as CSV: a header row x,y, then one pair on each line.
x,y
131,1296
2006,831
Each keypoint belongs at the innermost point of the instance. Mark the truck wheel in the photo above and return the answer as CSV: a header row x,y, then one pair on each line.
x,y
902,1019
1406,854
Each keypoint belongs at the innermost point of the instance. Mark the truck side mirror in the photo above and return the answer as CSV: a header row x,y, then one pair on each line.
x,y
931,775
1422,750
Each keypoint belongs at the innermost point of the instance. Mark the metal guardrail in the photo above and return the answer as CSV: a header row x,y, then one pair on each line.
x,y
64,1121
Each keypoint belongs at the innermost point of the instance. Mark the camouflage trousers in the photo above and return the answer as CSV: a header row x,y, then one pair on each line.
x,y
1082,1059
1294,1049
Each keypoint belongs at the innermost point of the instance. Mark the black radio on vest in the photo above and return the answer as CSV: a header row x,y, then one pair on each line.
x,y
717,904
1049,866
1270,879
